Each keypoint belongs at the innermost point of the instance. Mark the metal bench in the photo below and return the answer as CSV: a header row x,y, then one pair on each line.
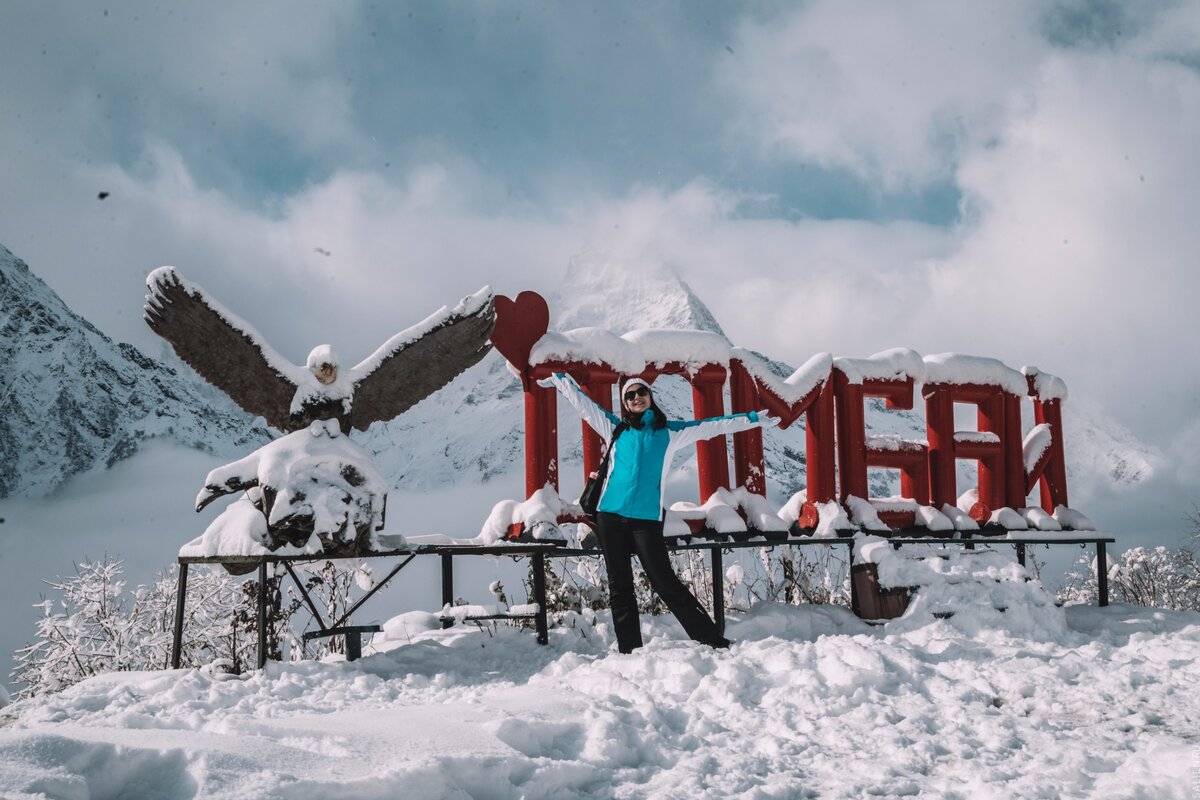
x,y
539,551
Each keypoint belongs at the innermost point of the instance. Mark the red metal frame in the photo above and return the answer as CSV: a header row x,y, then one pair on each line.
x,y
1001,468
855,455
1051,469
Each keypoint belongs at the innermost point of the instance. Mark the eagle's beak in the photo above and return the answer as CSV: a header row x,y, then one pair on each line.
x,y
326,373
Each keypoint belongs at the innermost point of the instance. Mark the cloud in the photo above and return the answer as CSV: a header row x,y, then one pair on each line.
x,y
350,260
893,92
1186,454
94,79
1081,238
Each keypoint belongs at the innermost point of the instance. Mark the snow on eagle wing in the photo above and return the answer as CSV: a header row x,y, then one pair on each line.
x,y
418,361
223,348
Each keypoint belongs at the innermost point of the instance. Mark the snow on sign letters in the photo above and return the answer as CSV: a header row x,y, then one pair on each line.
x,y
830,393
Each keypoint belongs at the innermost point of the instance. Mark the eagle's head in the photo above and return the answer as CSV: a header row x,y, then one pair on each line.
x,y
323,363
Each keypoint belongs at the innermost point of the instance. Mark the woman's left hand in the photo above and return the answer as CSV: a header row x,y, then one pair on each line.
x,y
766,421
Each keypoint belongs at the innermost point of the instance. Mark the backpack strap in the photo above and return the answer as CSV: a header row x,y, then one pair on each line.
x,y
602,468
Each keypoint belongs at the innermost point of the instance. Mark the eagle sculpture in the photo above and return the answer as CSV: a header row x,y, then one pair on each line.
x,y
235,358
312,489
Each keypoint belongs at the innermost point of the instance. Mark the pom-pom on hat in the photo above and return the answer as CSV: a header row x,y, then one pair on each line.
x,y
633,382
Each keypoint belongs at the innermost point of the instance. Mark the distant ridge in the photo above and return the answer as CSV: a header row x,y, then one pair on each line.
x,y
72,400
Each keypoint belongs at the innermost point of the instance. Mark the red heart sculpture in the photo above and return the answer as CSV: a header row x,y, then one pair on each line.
x,y
519,325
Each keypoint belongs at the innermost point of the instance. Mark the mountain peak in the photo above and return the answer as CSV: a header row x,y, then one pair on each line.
x,y
71,399
622,294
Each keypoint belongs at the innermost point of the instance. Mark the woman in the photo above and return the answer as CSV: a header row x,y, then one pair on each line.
x,y
630,513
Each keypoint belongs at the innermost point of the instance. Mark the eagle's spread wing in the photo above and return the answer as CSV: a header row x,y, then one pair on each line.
x,y
417,362
224,349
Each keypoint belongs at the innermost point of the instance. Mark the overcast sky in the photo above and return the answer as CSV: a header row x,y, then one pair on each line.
x,y
1019,180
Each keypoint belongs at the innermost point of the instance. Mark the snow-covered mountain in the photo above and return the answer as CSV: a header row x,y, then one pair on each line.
x,y
599,291
72,400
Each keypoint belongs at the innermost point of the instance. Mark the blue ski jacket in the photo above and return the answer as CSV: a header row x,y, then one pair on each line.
x,y
641,456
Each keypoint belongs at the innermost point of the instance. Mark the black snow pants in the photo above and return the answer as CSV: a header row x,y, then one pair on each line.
x,y
622,538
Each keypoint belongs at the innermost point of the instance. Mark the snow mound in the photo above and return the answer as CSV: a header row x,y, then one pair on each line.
x,y
973,591
720,513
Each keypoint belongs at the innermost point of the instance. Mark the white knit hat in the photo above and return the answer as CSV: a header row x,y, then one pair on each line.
x,y
633,382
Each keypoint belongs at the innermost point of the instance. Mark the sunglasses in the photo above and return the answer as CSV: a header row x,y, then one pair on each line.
x,y
641,391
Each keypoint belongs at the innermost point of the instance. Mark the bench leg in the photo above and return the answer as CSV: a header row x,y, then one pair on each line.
x,y
180,603
539,597
1102,572
718,589
1021,554
262,614
854,602
353,646
447,585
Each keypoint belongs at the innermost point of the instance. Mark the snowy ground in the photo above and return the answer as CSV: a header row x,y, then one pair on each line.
x,y
809,702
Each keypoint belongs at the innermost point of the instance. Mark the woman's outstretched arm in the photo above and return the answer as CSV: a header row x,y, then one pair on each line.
x,y
698,429
601,420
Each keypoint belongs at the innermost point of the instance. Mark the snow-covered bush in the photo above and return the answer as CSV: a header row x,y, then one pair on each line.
x,y
85,633
1151,577
572,585
211,632
95,625
800,575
